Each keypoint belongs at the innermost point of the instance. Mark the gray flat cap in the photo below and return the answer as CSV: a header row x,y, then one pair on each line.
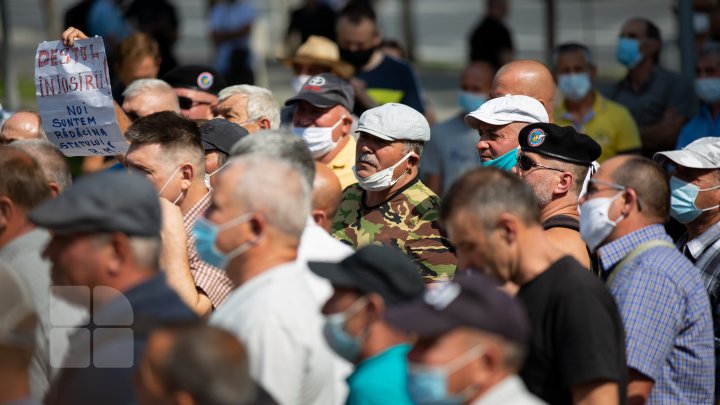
x,y
395,122
109,201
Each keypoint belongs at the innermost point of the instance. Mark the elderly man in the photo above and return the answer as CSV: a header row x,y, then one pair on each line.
x,y
366,285
315,56
253,108
669,349
254,236
493,219
22,188
323,120
498,123
105,250
147,96
694,202
167,149
705,123
607,122
390,205
218,137
52,162
450,151
528,78
660,101
22,125
467,322
197,89
554,161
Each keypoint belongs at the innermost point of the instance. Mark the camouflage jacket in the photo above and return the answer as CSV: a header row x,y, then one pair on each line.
x,y
408,221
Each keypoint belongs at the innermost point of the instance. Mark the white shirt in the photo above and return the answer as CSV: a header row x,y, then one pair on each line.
x,y
510,391
276,317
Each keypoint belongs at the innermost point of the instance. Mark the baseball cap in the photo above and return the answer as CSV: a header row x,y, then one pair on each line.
x,y
506,110
324,91
472,301
562,143
703,153
18,319
318,50
394,122
196,77
220,134
108,201
375,269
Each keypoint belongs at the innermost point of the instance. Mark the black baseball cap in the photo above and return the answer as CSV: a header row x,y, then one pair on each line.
x,y
324,91
562,143
473,300
196,77
220,134
108,201
375,269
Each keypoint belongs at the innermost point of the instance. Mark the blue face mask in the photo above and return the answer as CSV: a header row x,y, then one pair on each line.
x,y
505,162
574,86
628,52
470,102
428,384
708,89
206,233
682,200
345,345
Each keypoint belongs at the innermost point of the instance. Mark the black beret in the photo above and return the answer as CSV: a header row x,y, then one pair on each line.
x,y
109,201
562,143
196,77
220,134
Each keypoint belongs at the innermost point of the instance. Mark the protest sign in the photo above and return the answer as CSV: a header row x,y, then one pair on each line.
x,y
72,88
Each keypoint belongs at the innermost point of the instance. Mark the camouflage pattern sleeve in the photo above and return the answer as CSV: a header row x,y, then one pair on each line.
x,y
347,214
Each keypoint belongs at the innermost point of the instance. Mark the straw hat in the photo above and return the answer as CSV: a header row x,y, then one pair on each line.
x,y
321,51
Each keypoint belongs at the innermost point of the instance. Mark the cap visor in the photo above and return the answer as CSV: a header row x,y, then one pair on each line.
x,y
474,122
208,146
374,133
315,99
333,272
685,158
418,317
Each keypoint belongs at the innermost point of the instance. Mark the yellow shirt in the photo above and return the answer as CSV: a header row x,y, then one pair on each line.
x,y
342,164
608,123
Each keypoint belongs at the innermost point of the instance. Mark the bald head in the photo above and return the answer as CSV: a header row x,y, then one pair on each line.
x,y
528,78
326,194
22,125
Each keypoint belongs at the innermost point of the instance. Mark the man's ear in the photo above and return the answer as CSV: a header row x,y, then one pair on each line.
x,y
508,226
54,189
7,211
264,123
121,252
565,184
376,305
187,171
320,217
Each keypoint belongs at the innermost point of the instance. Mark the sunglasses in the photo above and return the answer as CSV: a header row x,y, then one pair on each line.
x,y
526,164
187,103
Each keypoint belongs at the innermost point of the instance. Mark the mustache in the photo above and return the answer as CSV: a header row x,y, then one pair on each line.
x,y
369,159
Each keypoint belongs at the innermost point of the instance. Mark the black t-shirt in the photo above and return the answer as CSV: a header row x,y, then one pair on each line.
x,y
488,40
577,333
392,81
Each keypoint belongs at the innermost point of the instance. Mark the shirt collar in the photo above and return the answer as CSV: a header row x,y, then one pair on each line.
x,y
346,156
698,245
197,209
612,253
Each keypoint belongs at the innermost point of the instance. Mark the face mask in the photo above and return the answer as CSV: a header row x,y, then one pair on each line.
x,y
708,89
595,226
628,52
574,86
206,233
381,180
168,182
682,200
357,58
318,140
298,81
208,176
345,345
470,102
428,384
505,162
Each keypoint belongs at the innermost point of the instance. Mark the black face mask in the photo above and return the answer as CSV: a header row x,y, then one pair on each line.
x,y
357,58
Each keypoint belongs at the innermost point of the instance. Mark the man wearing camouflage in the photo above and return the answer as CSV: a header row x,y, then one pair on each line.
x,y
389,205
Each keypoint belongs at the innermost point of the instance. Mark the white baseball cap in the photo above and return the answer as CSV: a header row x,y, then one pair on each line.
x,y
506,110
703,153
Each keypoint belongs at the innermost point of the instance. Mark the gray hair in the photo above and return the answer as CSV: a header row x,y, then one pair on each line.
x,y
155,87
279,144
260,104
572,47
145,249
51,160
274,187
413,146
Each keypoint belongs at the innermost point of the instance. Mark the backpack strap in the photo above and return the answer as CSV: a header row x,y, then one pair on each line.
x,y
562,221
635,253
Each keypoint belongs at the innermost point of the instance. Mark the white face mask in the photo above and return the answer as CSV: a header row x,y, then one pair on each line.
x,y
298,81
318,139
383,179
208,176
595,225
168,182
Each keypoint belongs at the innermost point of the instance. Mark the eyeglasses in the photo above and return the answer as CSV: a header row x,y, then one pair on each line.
x,y
187,103
526,164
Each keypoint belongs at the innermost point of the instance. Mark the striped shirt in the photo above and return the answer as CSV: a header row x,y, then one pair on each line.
x,y
208,279
666,313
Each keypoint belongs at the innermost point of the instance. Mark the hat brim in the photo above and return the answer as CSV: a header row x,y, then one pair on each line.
x,y
374,133
343,69
685,158
315,99
474,121
418,317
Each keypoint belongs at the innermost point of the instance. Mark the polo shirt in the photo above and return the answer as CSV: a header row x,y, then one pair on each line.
x,y
608,123
392,81
381,379
342,164
667,317
700,126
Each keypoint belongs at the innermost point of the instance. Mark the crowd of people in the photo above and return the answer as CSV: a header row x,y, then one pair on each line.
x,y
337,248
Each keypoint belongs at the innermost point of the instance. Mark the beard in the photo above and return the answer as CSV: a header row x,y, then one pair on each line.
x,y
543,190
